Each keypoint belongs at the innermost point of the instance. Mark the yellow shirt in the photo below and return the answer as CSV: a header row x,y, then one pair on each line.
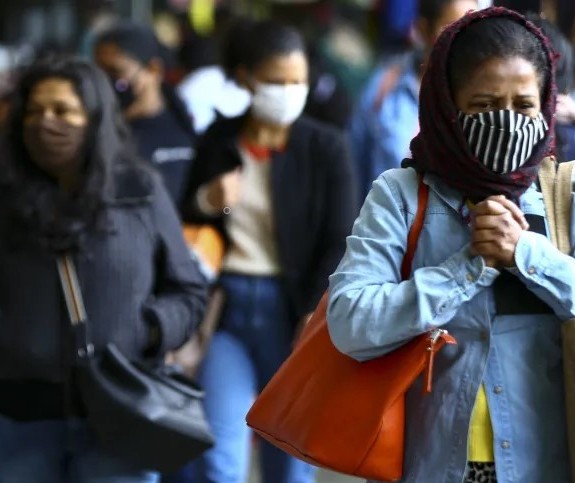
x,y
480,445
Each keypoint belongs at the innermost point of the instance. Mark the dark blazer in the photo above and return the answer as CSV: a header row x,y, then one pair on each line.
x,y
134,272
313,199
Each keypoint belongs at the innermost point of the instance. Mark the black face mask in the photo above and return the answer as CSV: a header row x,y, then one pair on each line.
x,y
124,92
54,144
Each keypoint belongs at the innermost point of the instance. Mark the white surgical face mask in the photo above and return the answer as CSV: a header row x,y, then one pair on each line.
x,y
279,104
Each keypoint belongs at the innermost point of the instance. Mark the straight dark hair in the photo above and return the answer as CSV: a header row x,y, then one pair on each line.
x,y
250,43
497,37
38,210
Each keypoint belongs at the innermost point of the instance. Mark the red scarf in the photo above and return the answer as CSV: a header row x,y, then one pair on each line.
x,y
440,147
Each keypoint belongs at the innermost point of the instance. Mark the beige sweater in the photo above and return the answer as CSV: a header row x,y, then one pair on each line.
x,y
249,223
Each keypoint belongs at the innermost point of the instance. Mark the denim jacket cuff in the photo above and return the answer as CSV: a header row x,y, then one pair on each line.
x,y
470,272
530,260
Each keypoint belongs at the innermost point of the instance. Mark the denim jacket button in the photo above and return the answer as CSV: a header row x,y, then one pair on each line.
x,y
484,335
505,444
498,389
531,270
470,277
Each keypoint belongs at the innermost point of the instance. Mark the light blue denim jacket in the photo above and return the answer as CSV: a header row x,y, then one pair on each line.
x,y
518,357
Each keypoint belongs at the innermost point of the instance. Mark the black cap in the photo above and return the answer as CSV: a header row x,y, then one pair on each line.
x,y
135,40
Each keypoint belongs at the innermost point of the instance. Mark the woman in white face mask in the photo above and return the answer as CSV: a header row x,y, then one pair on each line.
x,y
280,187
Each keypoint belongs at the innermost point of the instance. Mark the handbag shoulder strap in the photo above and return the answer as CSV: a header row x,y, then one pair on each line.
x,y
71,290
547,176
557,185
83,348
563,203
415,230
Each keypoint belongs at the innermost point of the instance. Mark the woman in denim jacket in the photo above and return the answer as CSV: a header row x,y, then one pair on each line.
x,y
484,268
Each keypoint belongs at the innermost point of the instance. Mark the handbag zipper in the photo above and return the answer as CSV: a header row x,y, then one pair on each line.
x,y
435,341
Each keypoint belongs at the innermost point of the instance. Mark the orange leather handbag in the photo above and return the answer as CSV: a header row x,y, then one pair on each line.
x,y
208,244
332,411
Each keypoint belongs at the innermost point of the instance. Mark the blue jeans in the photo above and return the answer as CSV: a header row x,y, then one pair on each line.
x,y
59,451
254,339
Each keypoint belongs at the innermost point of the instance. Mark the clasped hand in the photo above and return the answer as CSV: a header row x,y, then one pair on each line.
x,y
496,225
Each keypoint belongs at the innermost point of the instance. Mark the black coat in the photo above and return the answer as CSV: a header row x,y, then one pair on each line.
x,y
135,272
313,199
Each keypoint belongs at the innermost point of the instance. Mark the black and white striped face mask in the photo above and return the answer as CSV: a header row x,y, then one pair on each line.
x,y
502,140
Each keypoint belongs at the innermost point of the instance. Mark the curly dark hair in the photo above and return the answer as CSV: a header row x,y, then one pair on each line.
x,y
39,212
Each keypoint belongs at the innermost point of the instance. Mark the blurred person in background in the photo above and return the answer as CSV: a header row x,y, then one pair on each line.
x,y
566,18
395,24
521,6
385,117
135,61
70,183
329,99
565,113
7,73
281,189
206,90
12,61
96,18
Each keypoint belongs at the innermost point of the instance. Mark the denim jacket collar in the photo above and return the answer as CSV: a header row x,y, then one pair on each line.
x,y
449,195
531,202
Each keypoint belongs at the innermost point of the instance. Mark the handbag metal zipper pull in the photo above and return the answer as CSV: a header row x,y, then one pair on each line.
x,y
436,340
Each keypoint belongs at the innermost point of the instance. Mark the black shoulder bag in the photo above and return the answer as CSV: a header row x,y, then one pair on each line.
x,y
152,417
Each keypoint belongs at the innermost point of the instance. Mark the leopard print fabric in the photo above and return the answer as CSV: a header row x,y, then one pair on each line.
x,y
480,473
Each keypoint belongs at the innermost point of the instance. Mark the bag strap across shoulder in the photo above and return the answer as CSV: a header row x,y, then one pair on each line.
x,y
71,290
415,230
83,347
556,182
563,190
557,187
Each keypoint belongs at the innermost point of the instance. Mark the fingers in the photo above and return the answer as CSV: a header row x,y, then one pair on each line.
x,y
497,225
489,206
224,191
489,222
499,205
514,210
482,236
231,184
231,177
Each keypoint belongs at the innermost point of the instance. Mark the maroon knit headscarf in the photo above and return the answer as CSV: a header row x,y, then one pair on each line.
x,y
441,148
